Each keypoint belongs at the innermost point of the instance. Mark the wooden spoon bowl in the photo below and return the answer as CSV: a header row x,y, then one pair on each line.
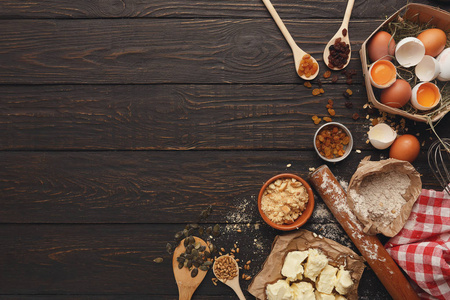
x,y
232,283
185,282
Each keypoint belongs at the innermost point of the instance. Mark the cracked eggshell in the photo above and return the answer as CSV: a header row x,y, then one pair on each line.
x,y
381,136
428,68
409,52
444,63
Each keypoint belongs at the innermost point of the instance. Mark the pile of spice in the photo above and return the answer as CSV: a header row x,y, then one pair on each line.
x,y
339,53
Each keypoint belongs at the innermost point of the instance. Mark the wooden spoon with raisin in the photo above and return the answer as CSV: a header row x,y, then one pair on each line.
x,y
337,52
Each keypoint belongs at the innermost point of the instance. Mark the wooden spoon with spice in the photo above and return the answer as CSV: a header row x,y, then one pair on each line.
x,y
226,270
337,43
301,58
186,281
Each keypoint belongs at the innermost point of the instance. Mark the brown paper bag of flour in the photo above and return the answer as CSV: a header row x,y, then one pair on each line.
x,y
367,168
338,255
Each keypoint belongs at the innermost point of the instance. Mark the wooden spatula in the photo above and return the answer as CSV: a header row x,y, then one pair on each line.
x,y
185,282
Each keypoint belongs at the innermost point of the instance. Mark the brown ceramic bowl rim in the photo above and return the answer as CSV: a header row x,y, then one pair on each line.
x,y
304,216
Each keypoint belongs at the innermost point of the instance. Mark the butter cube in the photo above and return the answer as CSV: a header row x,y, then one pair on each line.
x,y
303,291
327,280
323,296
344,281
292,267
315,264
279,290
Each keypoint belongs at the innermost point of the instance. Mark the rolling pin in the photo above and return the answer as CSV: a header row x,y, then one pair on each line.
x,y
370,246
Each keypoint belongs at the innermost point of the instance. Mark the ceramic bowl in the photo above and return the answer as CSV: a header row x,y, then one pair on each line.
x,y
302,218
348,147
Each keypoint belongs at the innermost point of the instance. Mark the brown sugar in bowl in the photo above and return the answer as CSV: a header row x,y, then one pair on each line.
x,y
306,214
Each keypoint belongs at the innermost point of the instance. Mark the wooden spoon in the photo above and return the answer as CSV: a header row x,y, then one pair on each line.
x,y
186,284
339,34
232,283
297,52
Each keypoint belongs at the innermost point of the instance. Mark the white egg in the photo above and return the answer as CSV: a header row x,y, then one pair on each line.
x,y
444,62
409,52
381,136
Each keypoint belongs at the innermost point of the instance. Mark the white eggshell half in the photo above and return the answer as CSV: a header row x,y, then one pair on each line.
x,y
415,102
409,52
444,63
381,136
428,68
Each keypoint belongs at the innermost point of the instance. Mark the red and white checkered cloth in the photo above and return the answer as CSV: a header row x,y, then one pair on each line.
x,y
422,247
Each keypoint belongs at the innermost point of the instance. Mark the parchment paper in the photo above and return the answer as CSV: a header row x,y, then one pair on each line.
x,y
367,168
338,255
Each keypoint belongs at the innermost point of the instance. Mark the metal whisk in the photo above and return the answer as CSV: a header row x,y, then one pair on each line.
x,y
438,160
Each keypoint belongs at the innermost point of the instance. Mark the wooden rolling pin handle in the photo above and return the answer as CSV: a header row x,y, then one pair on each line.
x,y
370,247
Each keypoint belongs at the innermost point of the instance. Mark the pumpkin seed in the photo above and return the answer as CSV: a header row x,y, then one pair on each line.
x,y
169,248
190,231
180,259
208,263
158,260
191,240
197,245
194,272
202,248
189,264
185,232
209,230
207,254
204,268
216,230
194,252
180,265
186,242
195,225
196,264
178,234
205,213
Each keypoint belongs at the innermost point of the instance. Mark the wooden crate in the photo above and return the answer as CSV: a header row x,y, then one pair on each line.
x,y
417,13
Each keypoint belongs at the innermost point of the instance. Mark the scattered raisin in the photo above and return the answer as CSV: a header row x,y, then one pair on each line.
x,y
319,82
349,92
327,119
346,95
374,122
331,112
316,92
334,79
355,116
321,91
307,84
327,74
316,119
371,110
349,81
348,104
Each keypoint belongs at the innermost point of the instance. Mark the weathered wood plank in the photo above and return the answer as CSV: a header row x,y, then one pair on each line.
x,y
118,259
153,186
182,9
140,51
161,117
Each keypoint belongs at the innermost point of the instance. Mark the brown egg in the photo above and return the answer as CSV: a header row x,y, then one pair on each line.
x,y
397,95
378,46
405,147
434,41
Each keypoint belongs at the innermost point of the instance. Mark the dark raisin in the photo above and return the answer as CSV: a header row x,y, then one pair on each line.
x,y
348,104
344,32
355,116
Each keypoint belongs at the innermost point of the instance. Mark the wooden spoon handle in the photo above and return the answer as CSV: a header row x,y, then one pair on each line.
x,y
348,13
280,24
370,247
239,293
185,293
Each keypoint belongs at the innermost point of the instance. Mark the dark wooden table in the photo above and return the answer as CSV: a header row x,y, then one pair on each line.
x,y
120,121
